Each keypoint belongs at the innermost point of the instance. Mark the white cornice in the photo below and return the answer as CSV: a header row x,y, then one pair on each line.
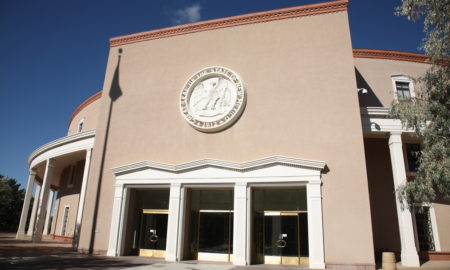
x,y
245,166
60,142
374,111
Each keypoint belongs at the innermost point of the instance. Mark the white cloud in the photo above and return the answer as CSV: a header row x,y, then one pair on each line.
x,y
187,15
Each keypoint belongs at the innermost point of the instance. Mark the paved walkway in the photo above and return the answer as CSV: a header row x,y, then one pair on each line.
x,y
49,255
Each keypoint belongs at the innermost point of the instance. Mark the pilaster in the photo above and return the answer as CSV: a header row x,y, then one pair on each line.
x,y
174,227
315,225
115,221
240,244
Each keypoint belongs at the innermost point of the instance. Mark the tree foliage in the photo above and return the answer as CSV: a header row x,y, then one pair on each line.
x,y
11,200
429,113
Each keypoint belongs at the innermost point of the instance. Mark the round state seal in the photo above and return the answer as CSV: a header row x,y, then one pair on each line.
x,y
212,99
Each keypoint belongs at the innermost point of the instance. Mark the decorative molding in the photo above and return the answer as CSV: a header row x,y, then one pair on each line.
x,y
374,111
310,164
258,17
60,142
83,105
391,55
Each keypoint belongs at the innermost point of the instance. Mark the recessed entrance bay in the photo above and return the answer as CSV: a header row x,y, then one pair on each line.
x,y
210,224
149,222
280,229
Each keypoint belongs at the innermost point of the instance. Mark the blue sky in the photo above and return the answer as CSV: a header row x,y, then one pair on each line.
x,y
54,53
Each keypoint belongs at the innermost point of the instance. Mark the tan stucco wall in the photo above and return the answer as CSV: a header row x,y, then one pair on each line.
x,y
375,76
90,114
68,196
302,103
442,212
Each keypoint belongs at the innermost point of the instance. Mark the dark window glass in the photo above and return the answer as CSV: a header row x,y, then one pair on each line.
x,y
424,231
403,92
413,154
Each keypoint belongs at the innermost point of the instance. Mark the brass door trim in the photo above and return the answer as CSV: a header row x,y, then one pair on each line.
x,y
154,253
215,211
282,213
155,211
214,257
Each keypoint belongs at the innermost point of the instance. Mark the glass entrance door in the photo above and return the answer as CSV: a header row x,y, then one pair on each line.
x,y
215,235
282,237
153,233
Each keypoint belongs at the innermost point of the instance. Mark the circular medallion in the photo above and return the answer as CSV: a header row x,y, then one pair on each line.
x,y
212,99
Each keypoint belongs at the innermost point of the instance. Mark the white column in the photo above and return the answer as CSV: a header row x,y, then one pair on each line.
x,y
26,205
315,225
240,225
37,194
409,254
174,224
43,198
49,212
87,163
115,221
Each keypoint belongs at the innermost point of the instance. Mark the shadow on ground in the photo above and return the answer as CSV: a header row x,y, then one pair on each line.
x,y
66,262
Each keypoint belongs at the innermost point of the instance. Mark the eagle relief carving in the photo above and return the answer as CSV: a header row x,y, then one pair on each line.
x,y
212,99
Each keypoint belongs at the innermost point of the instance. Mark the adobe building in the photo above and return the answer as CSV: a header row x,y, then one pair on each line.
x,y
255,139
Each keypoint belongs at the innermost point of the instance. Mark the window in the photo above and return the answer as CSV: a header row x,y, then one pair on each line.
x,y
413,156
71,179
424,230
80,125
403,92
403,87
64,220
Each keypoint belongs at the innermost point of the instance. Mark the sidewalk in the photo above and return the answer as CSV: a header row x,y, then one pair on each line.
x,y
49,254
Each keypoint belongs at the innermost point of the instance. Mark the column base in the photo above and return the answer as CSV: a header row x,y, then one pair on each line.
x,y
239,261
111,253
171,258
317,265
20,235
410,258
37,238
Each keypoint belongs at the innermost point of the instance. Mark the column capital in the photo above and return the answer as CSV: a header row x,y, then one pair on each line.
x,y
241,184
395,137
50,162
33,172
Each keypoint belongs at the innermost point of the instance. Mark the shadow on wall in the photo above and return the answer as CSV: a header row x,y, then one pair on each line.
x,y
369,99
115,92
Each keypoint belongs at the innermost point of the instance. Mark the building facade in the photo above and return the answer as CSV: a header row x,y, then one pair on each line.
x,y
256,139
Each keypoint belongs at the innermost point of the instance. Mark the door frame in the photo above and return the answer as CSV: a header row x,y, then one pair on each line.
x,y
154,253
301,261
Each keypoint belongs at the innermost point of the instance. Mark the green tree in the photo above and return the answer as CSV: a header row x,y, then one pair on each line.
x,y
11,200
429,113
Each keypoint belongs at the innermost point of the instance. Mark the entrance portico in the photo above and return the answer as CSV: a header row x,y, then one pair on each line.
x,y
242,178
46,165
377,124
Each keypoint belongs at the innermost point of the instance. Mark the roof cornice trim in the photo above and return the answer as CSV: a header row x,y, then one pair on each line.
x,y
85,103
245,166
391,55
59,142
258,17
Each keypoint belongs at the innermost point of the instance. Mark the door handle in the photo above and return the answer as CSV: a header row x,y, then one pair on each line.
x,y
153,236
281,243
